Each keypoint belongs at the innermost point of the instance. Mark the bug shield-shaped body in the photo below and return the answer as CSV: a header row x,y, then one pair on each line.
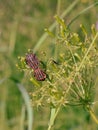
x,y
39,74
32,61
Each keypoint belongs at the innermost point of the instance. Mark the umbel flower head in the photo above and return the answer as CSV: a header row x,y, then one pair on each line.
x,y
69,80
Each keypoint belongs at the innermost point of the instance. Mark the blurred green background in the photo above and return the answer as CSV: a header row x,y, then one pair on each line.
x,y
22,23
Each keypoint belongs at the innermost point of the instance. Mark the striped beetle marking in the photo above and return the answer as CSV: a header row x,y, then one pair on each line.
x,y
39,74
32,61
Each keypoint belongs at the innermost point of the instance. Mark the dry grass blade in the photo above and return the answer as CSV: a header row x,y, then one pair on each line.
x,y
28,105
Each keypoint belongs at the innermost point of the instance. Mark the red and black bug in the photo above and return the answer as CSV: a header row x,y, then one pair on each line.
x,y
39,74
33,63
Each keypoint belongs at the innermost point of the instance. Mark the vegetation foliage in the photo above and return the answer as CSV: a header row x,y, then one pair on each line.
x,y
69,57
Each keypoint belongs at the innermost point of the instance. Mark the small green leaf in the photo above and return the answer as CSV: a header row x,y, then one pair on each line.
x,y
83,29
93,30
34,82
60,21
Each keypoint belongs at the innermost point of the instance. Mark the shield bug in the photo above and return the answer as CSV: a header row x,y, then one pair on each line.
x,y
32,61
39,74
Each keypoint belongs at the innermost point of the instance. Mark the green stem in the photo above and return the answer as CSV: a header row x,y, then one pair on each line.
x,y
82,12
45,35
53,115
88,51
93,115
57,30
84,59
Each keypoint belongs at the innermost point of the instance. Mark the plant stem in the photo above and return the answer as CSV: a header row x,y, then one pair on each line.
x,y
82,12
53,115
93,115
26,98
82,62
45,35
49,128
88,51
57,30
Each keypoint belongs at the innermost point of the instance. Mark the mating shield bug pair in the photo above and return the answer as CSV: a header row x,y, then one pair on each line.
x,y
33,63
